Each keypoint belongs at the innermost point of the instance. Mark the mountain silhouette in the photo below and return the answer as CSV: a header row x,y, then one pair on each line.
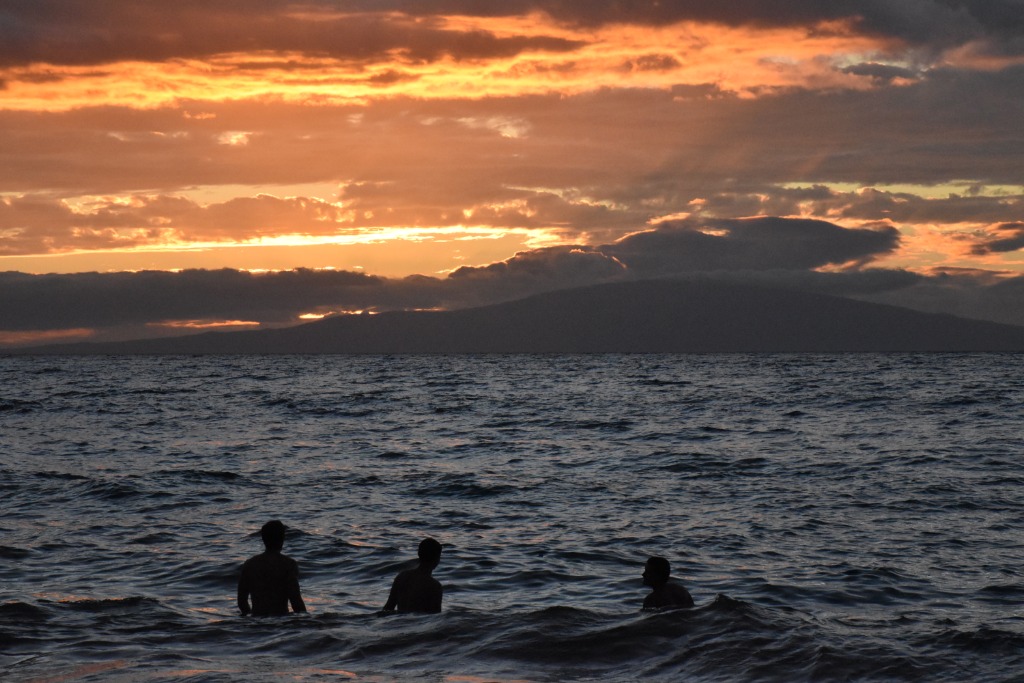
x,y
653,316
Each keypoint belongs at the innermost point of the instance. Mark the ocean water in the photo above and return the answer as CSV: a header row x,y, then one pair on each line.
x,y
836,518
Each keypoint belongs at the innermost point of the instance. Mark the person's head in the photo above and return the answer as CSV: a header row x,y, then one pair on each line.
x,y
429,553
273,535
656,572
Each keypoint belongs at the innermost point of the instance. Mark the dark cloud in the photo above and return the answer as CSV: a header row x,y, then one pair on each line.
x,y
531,272
938,22
103,31
42,302
904,207
652,62
950,125
776,251
881,73
868,204
1007,237
749,244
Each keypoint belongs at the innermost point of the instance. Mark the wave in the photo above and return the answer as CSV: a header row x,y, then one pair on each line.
x,y
106,605
15,611
463,486
984,640
613,426
202,475
726,639
14,405
13,553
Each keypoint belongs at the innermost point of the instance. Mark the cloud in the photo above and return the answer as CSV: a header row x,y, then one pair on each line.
x,y
767,251
970,206
635,145
698,246
42,302
625,125
941,22
1006,237
777,251
531,272
105,31
749,244
590,168
31,225
881,73
97,300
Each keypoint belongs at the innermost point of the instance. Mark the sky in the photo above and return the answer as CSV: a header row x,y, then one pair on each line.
x,y
234,164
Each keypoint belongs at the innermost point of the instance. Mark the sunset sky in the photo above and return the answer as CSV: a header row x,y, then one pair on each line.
x,y
197,164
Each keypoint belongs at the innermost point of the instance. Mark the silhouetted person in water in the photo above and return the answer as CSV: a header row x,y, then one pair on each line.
x,y
665,593
271,578
415,590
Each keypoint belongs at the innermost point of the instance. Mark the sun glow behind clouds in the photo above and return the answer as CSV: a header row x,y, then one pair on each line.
x,y
394,252
566,60
27,337
204,324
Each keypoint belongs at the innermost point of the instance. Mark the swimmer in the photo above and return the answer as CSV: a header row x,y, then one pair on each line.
x,y
415,590
271,578
664,593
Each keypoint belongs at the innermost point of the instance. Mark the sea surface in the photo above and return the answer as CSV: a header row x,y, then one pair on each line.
x,y
836,517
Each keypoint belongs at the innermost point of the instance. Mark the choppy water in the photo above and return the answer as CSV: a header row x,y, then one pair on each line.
x,y
860,515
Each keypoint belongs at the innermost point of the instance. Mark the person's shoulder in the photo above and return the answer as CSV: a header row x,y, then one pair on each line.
x,y
252,561
284,563
678,595
677,588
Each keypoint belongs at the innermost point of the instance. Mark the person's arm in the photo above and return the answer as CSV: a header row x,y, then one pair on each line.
x,y
392,602
243,592
294,594
687,599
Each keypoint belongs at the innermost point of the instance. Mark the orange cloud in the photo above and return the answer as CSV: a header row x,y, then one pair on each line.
x,y
736,59
204,324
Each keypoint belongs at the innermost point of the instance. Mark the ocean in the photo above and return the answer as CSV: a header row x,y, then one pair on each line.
x,y
835,517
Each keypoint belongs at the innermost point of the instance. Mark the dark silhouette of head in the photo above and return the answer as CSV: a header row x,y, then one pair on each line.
x,y
273,535
429,553
656,572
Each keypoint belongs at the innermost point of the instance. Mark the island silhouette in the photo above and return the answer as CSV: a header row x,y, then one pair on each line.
x,y
649,316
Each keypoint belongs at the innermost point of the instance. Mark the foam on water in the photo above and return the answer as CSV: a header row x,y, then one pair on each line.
x,y
836,517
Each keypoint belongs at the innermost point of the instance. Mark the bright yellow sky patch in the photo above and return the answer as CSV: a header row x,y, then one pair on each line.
x,y
396,253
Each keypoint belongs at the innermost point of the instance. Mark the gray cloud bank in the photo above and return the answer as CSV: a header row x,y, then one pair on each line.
x,y
765,251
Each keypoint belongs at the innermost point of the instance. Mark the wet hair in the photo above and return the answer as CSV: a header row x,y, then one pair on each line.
x,y
429,551
659,566
273,534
